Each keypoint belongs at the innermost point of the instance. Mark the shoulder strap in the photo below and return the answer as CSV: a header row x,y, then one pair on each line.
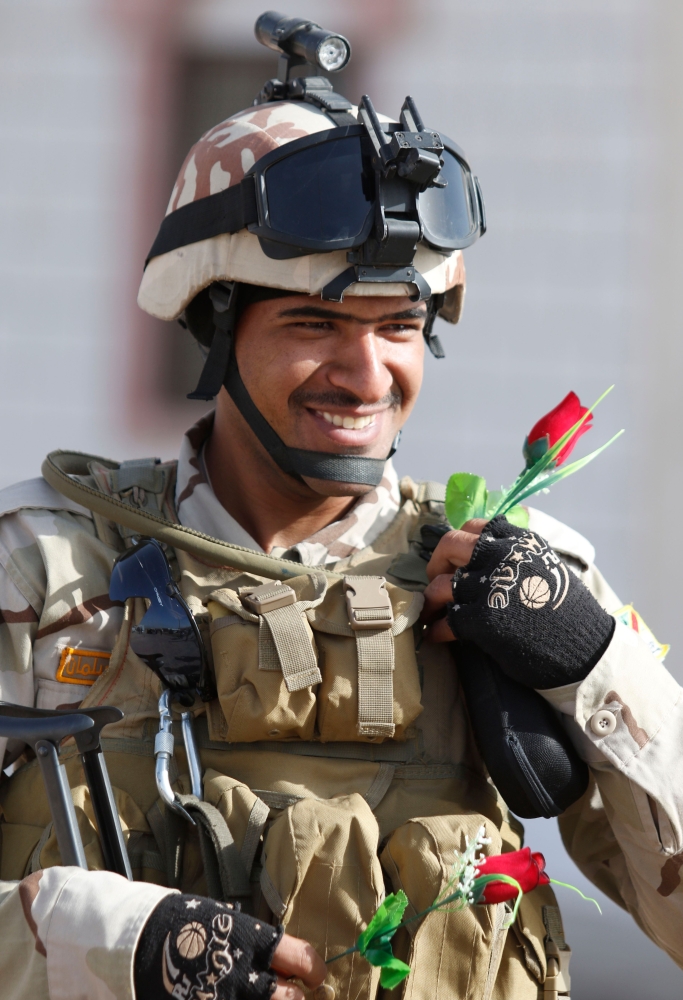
x,y
61,469
431,492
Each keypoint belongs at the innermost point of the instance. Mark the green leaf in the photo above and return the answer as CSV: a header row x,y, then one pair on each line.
x,y
383,925
519,516
393,973
466,497
568,470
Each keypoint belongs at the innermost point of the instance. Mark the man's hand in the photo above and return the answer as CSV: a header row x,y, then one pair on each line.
x,y
296,959
197,947
517,601
453,552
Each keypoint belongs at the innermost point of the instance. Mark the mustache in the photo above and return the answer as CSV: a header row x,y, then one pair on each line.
x,y
340,397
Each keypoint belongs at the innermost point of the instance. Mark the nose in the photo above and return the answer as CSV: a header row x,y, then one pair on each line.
x,y
359,367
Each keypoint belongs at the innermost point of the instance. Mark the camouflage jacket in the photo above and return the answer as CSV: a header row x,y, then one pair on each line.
x,y
61,935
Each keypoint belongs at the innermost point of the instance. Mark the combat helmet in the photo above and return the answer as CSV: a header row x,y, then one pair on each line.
x,y
304,193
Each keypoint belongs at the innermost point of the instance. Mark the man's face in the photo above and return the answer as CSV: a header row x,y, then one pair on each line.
x,y
334,377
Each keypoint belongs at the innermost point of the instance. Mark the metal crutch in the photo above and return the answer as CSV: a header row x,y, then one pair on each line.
x,y
94,766
44,736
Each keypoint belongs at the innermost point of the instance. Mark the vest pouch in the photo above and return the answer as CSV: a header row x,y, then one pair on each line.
x,y
265,658
314,660
322,879
465,952
370,687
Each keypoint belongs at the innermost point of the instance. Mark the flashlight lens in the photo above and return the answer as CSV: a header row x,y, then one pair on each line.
x,y
333,54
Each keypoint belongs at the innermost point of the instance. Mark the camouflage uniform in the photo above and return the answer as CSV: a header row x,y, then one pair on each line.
x,y
73,933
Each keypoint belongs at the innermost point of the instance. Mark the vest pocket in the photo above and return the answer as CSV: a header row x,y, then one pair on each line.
x,y
265,659
322,879
314,660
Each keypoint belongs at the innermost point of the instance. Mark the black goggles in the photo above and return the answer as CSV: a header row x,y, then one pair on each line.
x,y
339,188
320,193
167,639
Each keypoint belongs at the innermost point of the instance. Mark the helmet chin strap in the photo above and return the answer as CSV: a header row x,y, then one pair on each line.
x,y
221,368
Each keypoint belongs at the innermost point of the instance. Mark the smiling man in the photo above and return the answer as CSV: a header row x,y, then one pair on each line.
x,y
347,745
339,378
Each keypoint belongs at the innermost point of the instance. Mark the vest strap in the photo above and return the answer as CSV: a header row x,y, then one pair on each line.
x,y
371,618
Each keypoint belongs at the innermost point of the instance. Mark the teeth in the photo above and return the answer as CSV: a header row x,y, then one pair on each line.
x,y
349,423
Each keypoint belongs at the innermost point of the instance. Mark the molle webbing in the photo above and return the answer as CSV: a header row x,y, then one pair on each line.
x,y
60,469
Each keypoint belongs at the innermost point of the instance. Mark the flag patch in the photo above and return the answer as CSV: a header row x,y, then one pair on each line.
x,y
629,616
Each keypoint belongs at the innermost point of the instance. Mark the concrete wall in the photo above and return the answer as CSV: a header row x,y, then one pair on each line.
x,y
571,115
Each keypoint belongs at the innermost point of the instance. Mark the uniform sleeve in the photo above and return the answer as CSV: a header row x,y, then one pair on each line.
x,y
67,934
21,603
58,625
626,833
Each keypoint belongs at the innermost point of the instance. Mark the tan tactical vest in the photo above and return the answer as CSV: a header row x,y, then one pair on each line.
x,y
338,760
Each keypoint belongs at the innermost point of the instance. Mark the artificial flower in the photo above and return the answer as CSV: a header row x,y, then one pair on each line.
x,y
546,447
547,431
526,867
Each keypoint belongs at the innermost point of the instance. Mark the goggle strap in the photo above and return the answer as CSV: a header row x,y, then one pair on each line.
x,y
227,211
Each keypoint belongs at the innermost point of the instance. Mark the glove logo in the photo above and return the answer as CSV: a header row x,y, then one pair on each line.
x,y
191,944
191,941
534,592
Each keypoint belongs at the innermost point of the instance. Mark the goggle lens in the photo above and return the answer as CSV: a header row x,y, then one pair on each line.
x,y
320,192
324,194
447,213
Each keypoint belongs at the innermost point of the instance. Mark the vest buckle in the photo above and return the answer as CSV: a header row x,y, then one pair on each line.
x,y
268,597
368,603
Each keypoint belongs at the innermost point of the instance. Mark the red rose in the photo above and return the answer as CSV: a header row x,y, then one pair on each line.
x,y
550,428
525,866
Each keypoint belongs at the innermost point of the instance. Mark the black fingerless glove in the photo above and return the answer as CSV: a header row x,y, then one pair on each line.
x,y
518,602
198,949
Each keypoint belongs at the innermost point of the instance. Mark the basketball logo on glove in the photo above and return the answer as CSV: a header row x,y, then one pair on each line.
x,y
191,940
534,591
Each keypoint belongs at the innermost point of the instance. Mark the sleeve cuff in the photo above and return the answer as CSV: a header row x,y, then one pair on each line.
x,y
90,923
623,703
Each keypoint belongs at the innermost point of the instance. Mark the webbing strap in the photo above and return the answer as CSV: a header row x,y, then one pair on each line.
x,y
227,211
294,648
368,604
60,468
430,491
226,875
267,651
375,650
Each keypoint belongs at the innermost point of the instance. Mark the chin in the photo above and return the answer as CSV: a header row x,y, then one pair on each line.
x,y
328,488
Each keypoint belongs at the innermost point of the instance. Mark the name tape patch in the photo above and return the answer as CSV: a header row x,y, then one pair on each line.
x,y
82,666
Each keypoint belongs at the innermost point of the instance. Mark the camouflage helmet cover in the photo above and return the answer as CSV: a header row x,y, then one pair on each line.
x,y
219,160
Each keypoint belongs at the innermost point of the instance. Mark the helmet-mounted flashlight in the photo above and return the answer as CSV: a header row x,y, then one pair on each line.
x,y
302,41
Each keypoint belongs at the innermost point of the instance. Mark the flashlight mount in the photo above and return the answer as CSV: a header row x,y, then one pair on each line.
x,y
304,49
301,43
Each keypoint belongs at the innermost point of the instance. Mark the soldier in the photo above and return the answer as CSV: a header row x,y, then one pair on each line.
x,y
308,247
